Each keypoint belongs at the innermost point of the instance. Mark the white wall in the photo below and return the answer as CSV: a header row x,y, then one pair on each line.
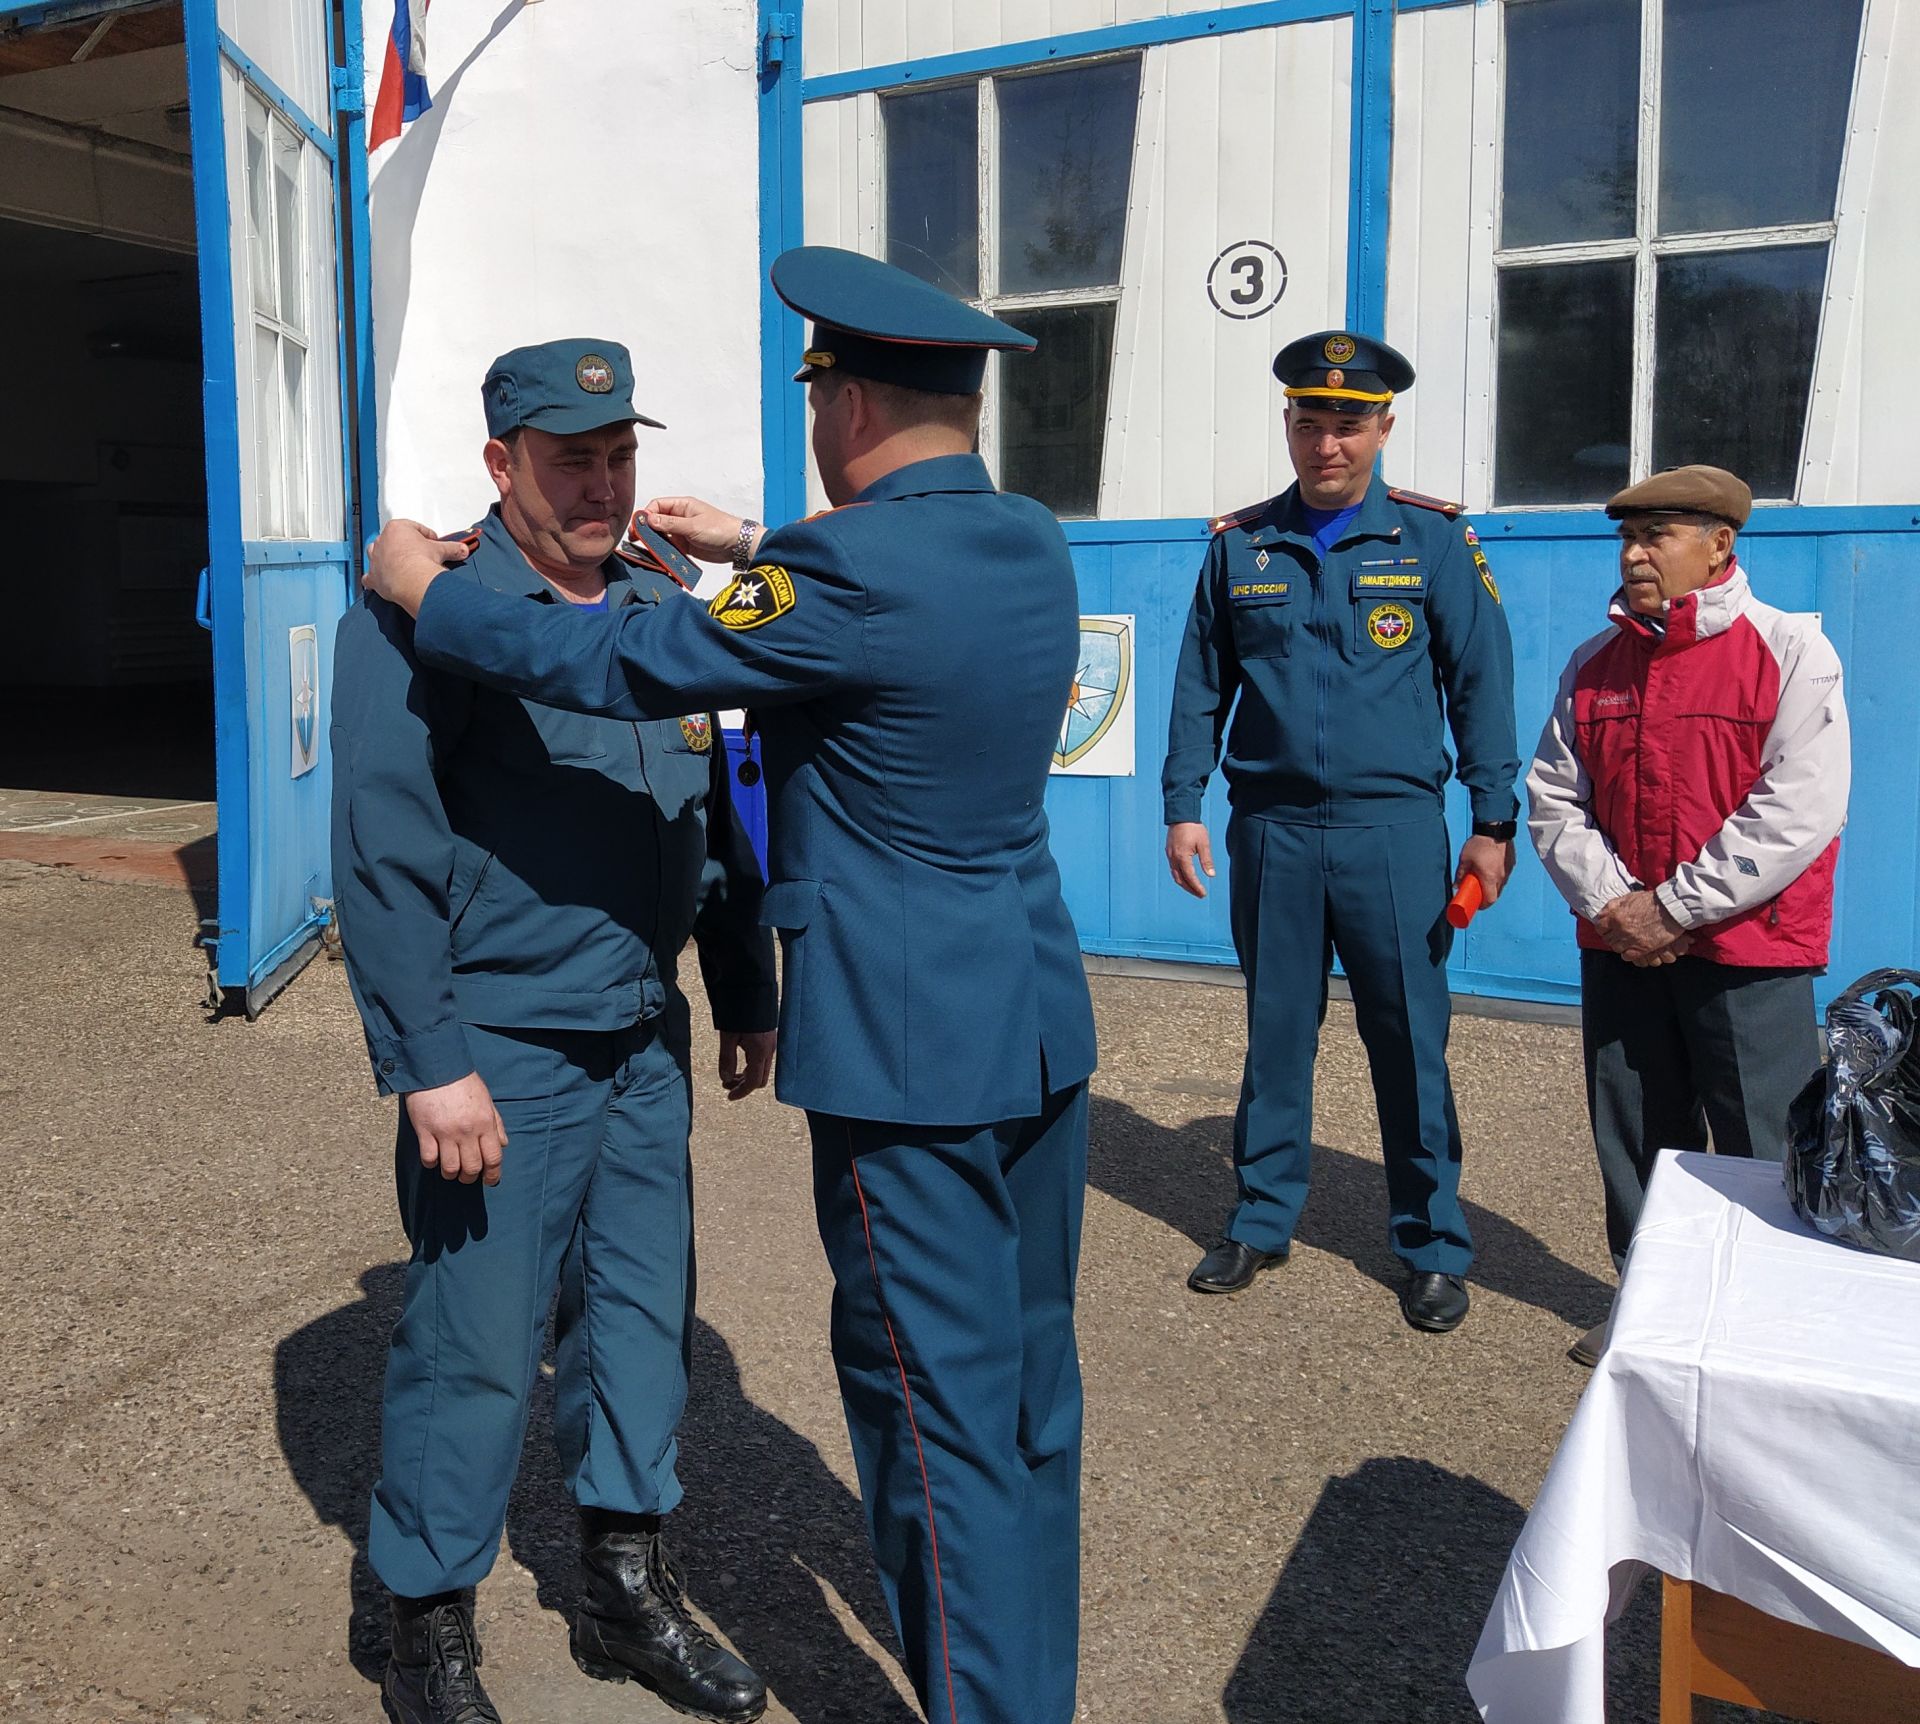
x,y
847,35
1431,243
588,167
1240,138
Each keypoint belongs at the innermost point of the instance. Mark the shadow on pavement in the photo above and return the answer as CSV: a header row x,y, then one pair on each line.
x,y
764,1527
1183,1176
1376,1613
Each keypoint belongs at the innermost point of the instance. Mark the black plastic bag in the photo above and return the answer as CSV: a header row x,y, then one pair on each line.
x,y
1853,1134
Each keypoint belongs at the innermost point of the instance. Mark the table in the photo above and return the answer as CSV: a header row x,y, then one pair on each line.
x,y
1754,1426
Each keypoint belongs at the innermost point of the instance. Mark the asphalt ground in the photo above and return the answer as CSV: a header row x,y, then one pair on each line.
x,y
1296,1507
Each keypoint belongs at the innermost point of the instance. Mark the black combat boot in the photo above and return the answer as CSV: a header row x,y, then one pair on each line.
x,y
433,1675
633,1623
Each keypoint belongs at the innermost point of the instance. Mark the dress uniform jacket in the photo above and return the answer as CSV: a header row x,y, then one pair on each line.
x,y
933,975
500,862
1348,674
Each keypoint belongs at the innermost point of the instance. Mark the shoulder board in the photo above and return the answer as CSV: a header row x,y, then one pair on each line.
x,y
470,539
1419,500
1240,517
646,549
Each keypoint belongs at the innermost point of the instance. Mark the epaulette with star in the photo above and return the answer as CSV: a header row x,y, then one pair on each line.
x,y
469,541
1240,517
646,549
1420,500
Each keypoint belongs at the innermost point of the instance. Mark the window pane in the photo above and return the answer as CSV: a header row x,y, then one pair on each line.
x,y
295,357
1753,111
1053,407
1572,121
288,232
1735,339
1566,383
269,472
933,186
1066,157
259,207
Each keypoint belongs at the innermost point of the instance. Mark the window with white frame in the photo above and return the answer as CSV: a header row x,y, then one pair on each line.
x,y
1011,192
277,252
1669,179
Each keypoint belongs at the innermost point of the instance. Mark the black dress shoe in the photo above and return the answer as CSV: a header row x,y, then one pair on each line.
x,y
1230,1266
1434,1302
433,1672
633,1624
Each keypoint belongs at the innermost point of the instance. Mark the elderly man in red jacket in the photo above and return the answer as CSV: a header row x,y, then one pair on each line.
x,y
1687,799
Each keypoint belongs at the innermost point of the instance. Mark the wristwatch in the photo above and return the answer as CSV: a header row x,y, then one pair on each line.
x,y
743,546
1500,831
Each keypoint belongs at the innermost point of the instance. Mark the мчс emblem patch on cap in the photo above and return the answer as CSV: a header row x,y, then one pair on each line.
x,y
764,592
1339,349
1390,626
594,374
697,728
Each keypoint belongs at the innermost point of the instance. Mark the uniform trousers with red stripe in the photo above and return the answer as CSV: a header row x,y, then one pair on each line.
x,y
954,1251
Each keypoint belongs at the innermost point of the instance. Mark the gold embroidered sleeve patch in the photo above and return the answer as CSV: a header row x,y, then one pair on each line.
x,y
764,592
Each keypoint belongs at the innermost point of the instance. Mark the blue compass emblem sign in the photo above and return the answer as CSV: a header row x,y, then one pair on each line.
x,y
303,685
1101,682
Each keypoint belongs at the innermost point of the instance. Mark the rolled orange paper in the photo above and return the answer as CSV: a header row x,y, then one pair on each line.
x,y
1465,904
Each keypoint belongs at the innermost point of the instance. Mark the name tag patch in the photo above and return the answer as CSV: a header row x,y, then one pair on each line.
x,y
1390,575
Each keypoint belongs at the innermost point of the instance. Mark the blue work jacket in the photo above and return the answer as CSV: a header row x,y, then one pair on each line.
x,y
1347,672
910,678
503,863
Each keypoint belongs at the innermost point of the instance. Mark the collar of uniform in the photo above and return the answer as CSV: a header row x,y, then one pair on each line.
x,y
921,478
1286,518
499,563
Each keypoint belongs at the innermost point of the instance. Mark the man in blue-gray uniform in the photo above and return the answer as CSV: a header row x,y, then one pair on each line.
x,y
1351,624
909,655
515,885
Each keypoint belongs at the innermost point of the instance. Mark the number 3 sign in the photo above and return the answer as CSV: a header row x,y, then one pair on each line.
x,y
1247,279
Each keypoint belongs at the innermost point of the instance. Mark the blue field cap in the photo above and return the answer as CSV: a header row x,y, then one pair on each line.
x,y
562,386
1342,371
873,320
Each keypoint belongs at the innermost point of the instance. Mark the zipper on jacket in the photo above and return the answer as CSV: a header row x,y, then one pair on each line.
x,y
1320,681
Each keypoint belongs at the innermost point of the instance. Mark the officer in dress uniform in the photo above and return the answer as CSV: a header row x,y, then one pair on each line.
x,y
1336,631
910,654
515,885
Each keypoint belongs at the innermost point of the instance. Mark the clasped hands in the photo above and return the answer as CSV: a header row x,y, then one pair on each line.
x,y
1638,927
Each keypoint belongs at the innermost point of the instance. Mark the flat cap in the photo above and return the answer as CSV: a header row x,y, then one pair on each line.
x,y
871,319
562,387
1687,491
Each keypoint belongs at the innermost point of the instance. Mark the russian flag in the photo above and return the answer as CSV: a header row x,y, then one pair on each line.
x,y
403,81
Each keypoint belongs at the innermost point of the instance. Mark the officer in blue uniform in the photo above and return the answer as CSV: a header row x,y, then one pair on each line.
x,y
909,655
1337,630
515,885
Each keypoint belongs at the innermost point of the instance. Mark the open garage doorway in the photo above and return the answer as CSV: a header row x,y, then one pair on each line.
x,y
106,681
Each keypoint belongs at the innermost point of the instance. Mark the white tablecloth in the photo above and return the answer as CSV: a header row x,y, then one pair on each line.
x,y
1753,1425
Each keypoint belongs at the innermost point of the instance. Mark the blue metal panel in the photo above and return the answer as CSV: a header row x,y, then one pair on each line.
x,y
316,134
1369,172
288,858
783,407
1859,569
1148,33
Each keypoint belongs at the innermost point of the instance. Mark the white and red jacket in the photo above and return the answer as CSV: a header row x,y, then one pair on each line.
x,y
1709,762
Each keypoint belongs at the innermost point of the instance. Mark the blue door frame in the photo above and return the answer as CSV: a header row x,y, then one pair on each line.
x,y
1860,567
